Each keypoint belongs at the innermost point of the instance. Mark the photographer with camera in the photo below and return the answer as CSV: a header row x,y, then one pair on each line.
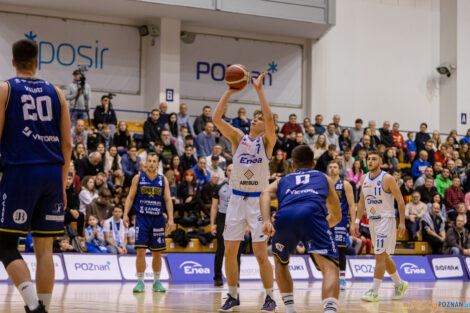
x,y
78,94
105,114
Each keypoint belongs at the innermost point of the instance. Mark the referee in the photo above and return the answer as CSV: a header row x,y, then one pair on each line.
x,y
220,199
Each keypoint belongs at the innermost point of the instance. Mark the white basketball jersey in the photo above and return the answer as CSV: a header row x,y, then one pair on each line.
x,y
250,172
379,203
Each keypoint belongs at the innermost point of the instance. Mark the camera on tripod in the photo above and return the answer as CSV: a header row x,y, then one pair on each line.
x,y
81,70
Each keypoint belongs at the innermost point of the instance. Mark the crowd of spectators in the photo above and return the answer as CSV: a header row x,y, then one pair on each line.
x,y
431,172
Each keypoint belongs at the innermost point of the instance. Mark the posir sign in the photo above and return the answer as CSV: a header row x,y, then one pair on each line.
x,y
111,52
92,267
205,61
191,267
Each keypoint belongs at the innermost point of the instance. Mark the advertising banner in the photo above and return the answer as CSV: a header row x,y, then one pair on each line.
x,y
318,275
204,62
111,52
414,268
191,268
363,267
86,267
447,267
30,260
127,265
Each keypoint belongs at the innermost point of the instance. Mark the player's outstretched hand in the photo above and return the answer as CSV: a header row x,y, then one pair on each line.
x,y
170,226
125,220
268,229
258,81
401,229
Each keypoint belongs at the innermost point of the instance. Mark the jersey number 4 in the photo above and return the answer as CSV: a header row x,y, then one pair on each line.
x,y
34,109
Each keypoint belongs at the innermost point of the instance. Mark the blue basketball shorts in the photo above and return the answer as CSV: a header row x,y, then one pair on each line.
x,y
32,200
302,223
150,232
341,232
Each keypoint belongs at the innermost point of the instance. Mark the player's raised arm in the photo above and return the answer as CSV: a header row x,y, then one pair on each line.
x,y
333,205
270,133
169,206
130,200
265,207
390,185
232,133
352,207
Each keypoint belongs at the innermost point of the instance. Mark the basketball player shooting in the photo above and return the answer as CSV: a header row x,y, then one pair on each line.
x,y
379,189
250,176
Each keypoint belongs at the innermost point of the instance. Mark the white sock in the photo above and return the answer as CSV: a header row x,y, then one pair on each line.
x,y
330,305
233,291
156,276
140,276
28,292
376,285
396,278
269,292
288,298
46,299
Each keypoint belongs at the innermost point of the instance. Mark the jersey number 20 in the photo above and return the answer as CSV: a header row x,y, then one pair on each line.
x,y
32,110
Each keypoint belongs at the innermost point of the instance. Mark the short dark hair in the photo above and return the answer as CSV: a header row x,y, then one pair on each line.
x,y
206,107
374,152
131,147
359,120
189,137
346,149
158,142
215,158
104,96
118,207
152,154
293,114
331,147
188,146
104,193
407,178
158,110
423,124
24,52
302,156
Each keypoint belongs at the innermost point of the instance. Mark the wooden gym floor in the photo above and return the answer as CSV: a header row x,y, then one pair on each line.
x,y
117,297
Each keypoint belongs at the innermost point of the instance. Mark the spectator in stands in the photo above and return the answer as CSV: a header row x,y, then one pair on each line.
x,y
172,126
320,147
421,137
176,168
290,144
362,157
214,169
112,160
355,173
130,164
399,142
364,231
105,136
432,228
414,212
348,159
374,131
217,151
427,190
407,189
436,138
115,234
343,140
307,123
101,206
277,129
338,128
168,148
88,192
62,244
452,140
184,119
241,121
79,134
457,241
443,181
319,129
390,160
466,138
225,144
189,193
452,171
411,145
441,155
105,115
326,158
78,96
465,153
437,168
453,195
90,165
180,141
431,153
100,148
122,137
374,139
310,137
188,160
428,173
207,190
152,129
101,181
200,170
202,120
291,125
92,139
386,137
278,167
94,236
364,144
420,165
356,132
164,116
79,152
205,140
331,137
72,211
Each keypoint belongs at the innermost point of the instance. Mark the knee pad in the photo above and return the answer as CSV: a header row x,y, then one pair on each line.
x,y
9,248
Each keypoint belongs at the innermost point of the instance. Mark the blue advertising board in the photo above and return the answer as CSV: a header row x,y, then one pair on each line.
x,y
414,268
191,268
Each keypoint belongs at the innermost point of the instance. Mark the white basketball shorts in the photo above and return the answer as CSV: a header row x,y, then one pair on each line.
x,y
383,233
243,212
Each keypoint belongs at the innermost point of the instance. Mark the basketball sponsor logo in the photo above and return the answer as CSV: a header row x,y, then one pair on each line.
x,y
191,267
20,216
449,267
410,268
279,246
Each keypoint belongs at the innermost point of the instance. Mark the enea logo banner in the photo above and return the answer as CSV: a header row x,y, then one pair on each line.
x,y
205,61
110,52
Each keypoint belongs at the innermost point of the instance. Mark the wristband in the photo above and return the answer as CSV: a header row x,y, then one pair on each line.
x,y
358,220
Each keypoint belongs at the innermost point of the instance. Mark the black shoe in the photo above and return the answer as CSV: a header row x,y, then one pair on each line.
x,y
40,309
218,282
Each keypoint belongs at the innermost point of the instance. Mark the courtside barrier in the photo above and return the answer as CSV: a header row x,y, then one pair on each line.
x,y
199,267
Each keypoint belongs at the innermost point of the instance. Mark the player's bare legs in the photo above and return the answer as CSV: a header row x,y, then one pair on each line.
x,y
390,265
45,268
379,271
231,265
285,284
157,268
18,272
140,266
330,284
260,249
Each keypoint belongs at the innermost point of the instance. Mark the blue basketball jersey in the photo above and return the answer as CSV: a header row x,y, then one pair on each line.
x,y
339,187
31,134
301,186
149,199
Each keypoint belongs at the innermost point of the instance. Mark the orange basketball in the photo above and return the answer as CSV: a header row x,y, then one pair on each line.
x,y
237,76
